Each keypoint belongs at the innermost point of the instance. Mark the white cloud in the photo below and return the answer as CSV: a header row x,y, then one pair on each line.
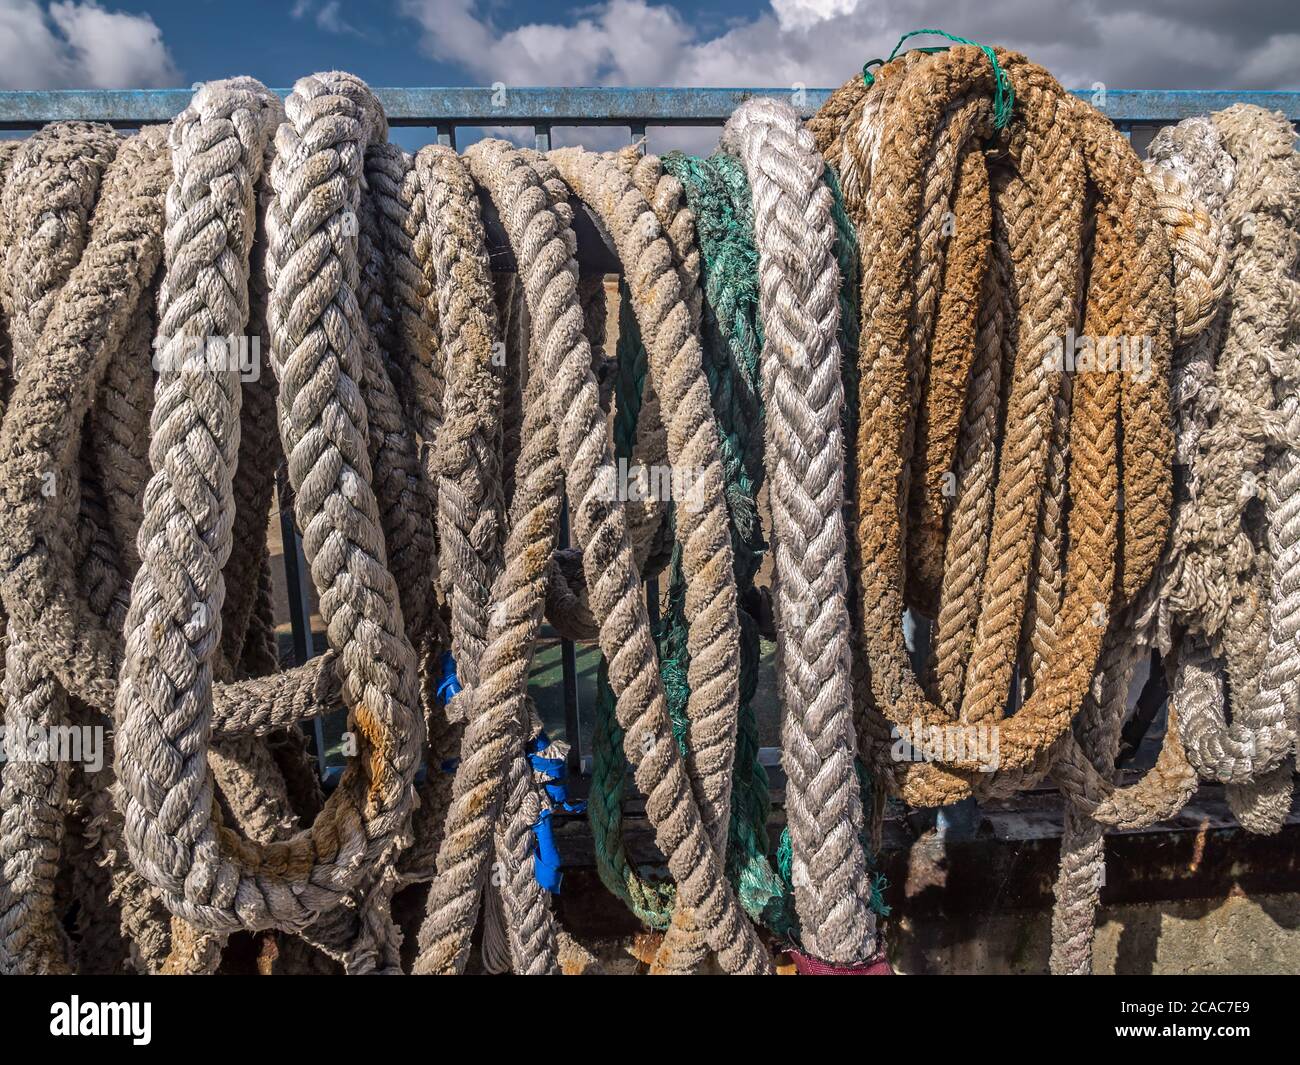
x,y
800,14
1154,44
80,45
329,17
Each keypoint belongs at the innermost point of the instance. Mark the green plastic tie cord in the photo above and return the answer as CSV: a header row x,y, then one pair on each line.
x,y
1004,95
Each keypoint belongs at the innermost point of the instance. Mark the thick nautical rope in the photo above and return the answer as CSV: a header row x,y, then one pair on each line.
x,y
246,770
804,397
534,936
719,196
1229,578
1211,534
207,875
951,673
471,515
717,193
1054,173
113,381
63,254
58,177
41,436
665,297
543,246
682,949
1199,270
974,470
363,937
401,305
404,494
651,901
1050,558
858,172
963,260
1162,791
563,378
1265,313
254,112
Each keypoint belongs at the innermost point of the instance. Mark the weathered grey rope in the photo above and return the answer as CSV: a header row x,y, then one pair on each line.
x,y
404,492
206,875
48,205
496,707
563,412
684,948
799,301
1263,322
1232,390
665,297
471,516
67,253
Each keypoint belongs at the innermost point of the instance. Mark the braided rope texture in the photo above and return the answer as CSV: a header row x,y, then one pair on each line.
x,y
860,330
804,396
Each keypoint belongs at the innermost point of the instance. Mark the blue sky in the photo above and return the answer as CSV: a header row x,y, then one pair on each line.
x,y
118,43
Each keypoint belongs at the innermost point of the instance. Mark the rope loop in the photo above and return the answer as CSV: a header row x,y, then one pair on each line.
x,y
1004,93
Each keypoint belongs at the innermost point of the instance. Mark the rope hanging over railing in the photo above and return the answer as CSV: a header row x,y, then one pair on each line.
x,y
949,348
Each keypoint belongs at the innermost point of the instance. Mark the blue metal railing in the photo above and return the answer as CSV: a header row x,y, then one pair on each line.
x,y
501,105
1136,111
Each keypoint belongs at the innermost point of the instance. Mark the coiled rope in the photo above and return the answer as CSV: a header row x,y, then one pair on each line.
x,y
318,343
939,109
1230,571
892,286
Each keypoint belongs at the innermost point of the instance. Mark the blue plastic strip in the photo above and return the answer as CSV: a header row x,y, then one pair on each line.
x,y
546,862
449,685
546,859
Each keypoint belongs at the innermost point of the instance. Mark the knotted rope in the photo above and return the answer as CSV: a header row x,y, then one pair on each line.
x,y
84,265
1228,576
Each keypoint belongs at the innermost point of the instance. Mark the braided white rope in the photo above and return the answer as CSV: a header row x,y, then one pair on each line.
x,y
799,302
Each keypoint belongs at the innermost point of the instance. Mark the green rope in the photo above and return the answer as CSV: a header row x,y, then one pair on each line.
x,y
717,193
1004,94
